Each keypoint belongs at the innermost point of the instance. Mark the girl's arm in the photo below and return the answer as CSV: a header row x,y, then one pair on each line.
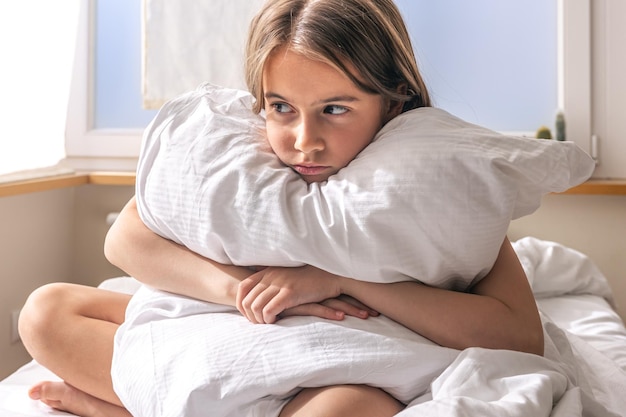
x,y
165,265
499,312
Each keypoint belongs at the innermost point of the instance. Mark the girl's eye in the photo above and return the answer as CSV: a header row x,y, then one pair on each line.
x,y
335,110
281,108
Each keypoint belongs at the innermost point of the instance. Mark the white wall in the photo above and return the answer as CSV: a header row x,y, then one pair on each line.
x,y
592,224
35,248
50,236
92,204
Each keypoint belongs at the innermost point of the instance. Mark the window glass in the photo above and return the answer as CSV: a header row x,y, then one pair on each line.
x,y
37,53
490,62
118,66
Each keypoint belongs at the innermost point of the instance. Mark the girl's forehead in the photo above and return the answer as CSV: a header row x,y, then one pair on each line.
x,y
296,57
287,67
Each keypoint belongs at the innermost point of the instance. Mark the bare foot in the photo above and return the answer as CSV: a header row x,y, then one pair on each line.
x,y
64,397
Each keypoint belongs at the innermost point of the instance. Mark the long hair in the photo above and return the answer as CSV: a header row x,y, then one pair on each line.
x,y
367,35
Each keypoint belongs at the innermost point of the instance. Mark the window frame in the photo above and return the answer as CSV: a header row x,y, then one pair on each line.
x,y
574,78
88,148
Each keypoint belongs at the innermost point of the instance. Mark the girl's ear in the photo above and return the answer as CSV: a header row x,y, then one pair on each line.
x,y
395,106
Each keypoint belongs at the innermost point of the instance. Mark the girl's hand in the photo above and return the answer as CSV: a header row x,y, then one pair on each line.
x,y
271,291
332,309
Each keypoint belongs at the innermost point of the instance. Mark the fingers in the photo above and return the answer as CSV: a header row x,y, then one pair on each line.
x,y
347,308
260,303
314,310
243,290
331,309
265,295
353,301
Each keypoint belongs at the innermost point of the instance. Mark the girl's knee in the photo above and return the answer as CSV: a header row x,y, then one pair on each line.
x,y
40,314
342,401
47,299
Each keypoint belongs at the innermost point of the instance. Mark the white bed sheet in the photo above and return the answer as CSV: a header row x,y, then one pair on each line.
x,y
589,317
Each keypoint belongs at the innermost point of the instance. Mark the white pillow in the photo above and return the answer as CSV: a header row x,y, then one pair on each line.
x,y
430,198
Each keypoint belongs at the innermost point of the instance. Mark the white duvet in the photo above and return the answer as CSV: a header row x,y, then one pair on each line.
x,y
175,356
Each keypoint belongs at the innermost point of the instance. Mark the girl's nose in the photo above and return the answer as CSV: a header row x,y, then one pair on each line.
x,y
308,138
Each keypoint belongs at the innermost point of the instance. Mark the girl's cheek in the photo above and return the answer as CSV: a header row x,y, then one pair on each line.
x,y
271,134
279,141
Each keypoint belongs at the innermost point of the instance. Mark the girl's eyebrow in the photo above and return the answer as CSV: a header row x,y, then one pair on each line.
x,y
338,98
269,95
334,99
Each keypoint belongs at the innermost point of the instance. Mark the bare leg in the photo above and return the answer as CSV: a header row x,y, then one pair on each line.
x,y
342,401
69,329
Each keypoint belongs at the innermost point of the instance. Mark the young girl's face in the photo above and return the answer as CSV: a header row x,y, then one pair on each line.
x,y
318,120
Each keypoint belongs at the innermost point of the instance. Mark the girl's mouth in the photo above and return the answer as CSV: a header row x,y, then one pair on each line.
x,y
309,169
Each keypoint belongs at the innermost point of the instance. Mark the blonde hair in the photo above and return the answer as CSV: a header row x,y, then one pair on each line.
x,y
368,35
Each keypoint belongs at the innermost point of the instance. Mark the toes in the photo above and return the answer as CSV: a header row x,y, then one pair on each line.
x,y
50,393
35,391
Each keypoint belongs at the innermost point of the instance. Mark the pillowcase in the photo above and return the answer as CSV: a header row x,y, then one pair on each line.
x,y
431,198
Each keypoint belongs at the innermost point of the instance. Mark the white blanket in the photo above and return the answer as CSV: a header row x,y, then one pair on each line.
x,y
199,359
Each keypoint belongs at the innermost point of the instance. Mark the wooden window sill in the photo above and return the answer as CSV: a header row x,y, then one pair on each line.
x,y
64,181
597,187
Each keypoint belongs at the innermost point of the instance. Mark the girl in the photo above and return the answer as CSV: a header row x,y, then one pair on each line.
x,y
329,74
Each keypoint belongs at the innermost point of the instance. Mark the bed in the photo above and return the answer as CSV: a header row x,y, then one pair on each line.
x,y
581,323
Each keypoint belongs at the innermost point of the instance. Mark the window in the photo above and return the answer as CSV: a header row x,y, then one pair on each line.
x,y
541,52
575,69
106,88
489,62
188,42
117,66
468,51
37,49
593,90
566,54
608,87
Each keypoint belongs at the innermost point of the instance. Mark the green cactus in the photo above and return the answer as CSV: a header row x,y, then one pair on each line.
x,y
543,133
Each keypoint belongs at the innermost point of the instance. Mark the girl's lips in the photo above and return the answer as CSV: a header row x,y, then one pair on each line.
x,y
310,169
